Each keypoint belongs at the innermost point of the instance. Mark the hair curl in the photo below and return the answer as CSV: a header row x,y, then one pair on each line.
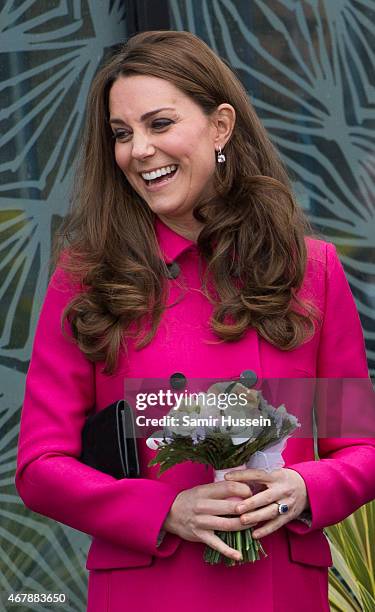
x,y
259,258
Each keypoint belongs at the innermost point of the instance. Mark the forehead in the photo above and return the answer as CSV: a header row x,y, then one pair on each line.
x,y
137,94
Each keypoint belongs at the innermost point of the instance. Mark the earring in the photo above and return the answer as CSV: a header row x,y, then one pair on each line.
x,y
220,156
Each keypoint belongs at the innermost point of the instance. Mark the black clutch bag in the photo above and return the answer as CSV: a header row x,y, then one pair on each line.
x,y
109,443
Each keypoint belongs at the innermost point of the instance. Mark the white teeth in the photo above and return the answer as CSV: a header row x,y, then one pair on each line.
x,y
149,176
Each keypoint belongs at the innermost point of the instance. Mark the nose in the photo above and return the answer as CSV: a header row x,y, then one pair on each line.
x,y
141,146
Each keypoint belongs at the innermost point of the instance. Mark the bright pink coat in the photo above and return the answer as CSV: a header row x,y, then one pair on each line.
x,y
127,569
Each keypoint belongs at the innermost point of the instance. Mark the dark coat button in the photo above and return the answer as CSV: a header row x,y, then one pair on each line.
x,y
248,378
178,380
173,270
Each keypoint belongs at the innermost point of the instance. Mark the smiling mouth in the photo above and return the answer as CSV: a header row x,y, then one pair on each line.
x,y
163,175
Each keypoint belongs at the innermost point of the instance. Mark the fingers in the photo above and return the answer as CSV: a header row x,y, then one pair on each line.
x,y
217,544
259,500
251,475
218,523
270,526
264,514
216,507
224,489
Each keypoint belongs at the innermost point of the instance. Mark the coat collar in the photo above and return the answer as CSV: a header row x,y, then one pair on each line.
x,y
171,244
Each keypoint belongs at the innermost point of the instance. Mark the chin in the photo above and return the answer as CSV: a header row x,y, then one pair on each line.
x,y
165,208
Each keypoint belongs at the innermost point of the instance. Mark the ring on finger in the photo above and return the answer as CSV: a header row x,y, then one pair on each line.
x,y
282,508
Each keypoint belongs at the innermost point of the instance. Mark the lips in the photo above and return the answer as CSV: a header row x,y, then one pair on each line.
x,y
160,181
156,173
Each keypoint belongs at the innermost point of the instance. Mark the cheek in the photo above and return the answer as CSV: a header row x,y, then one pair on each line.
x,y
186,144
122,157
177,147
205,162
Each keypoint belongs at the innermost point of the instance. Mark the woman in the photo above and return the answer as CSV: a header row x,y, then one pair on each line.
x,y
186,252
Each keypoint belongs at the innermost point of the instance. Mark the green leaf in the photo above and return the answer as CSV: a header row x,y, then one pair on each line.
x,y
352,582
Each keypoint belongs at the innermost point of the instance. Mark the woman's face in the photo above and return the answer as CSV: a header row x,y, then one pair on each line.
x,y
164,144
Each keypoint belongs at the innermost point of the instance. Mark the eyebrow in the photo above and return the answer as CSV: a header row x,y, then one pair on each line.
x,y
144,116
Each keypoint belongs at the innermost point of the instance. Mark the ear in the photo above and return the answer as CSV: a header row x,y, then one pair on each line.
x,y
224,119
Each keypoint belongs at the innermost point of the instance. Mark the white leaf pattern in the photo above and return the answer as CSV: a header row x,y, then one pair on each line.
x,y
308,67
53,50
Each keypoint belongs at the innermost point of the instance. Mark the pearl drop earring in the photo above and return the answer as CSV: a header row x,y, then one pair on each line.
x,y
220,156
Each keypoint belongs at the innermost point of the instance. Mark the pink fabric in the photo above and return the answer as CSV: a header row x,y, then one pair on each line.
x,y
124,517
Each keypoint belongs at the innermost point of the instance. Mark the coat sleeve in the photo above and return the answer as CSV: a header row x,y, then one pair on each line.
x,y
343,479
60,392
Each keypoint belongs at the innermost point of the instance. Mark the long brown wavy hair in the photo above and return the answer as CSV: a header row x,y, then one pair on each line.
x,y
258,260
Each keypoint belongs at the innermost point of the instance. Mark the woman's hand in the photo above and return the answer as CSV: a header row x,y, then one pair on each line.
x,y
196,513
282,486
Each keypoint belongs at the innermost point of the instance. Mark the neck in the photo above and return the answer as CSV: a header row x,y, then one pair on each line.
x,y
189,230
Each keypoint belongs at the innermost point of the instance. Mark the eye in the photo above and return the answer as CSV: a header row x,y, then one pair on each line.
x,y
121,135
159,124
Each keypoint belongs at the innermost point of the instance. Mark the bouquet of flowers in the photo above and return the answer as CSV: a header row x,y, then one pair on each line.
x,y
247,433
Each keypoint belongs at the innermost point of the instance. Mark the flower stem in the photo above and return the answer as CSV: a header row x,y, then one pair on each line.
x,y
251,550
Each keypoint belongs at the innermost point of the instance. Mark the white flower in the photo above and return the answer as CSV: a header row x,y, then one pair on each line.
x,y
196,405
198,435
233,422
208,411
184,427
217,388
158,439
238,441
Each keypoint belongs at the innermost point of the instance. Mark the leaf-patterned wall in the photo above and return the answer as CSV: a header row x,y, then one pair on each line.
x,y
50,52
308,66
